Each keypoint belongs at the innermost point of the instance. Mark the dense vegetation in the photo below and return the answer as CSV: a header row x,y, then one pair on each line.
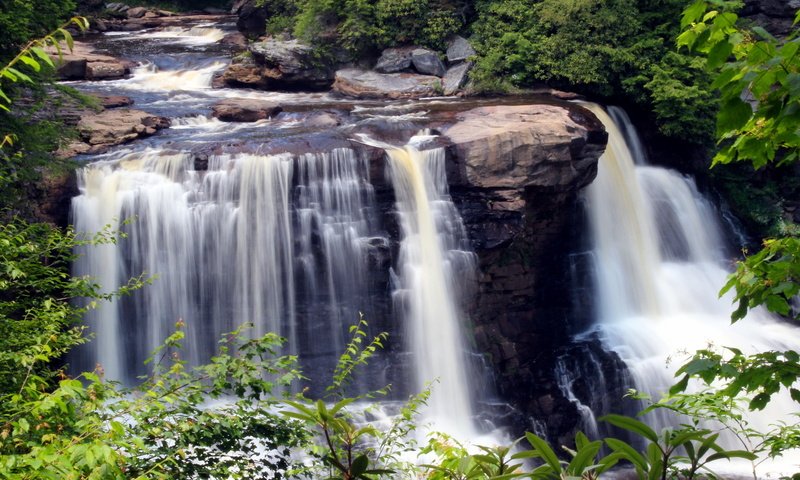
x,y
53,426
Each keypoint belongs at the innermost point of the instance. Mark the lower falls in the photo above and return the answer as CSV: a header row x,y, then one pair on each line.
x,y
530,308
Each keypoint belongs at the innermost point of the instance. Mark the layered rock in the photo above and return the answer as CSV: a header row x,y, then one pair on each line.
x,y
516,174
367,84
82,63
279,64
244,110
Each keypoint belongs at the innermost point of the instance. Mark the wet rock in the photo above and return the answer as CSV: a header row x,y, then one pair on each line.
x,y
427,62
244,73
136,12
459,49
235,40
114,127
84,64
456,77
99,25
530,146
114,101
244,110
291,64
367,84
251,19
393,60
117,7
105,70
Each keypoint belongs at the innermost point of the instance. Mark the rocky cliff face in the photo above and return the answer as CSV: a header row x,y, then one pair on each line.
x,y
516,174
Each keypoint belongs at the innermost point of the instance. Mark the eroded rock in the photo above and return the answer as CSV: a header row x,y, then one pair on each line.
x,y
367,84
459,49
244,110
538,146
456,77
114,127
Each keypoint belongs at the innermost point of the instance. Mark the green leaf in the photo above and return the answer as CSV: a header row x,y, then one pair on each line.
x,y
632,425
778,305
733,115
545,452
628,452
43,56
359,466
30,62
719,53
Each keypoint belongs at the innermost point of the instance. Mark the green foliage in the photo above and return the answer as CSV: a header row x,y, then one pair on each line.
x,y
362,27
612,48
348,449
757,76
758,79
90,428
39,316
661,458
22,20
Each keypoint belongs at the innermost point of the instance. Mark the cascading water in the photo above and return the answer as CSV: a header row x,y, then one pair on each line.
x,y
659,265
292,242
433,255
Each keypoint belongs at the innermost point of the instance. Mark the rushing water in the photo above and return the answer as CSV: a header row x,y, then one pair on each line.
x,y
660,263
292,242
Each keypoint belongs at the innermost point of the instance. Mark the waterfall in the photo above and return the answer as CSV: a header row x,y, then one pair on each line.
x,y
432,258
287,242
659,265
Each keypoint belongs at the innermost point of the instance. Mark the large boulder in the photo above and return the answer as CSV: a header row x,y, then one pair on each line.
x,y
252,20
367,84
243,72
136,12
291,64
122,125
393,60
459,49
528,146
427,62
82,63
456,77
244,110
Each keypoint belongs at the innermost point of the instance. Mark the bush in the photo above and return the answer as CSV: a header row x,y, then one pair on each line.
x,y
616,50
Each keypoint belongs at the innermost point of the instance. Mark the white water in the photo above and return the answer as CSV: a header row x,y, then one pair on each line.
x,y
432,260
659,267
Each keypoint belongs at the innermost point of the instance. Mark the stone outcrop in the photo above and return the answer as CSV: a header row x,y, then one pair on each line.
x,y
82,63
251,20
394,60
279,64
522,147
455,78
427,62
117,126
516,173
244,110
367,84
459,50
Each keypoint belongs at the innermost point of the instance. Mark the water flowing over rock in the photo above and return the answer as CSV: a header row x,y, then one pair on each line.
x,y
366,84
300,223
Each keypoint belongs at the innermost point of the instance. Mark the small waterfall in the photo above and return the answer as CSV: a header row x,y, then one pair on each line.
x,y
150,78
433,258
659,265
291,243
